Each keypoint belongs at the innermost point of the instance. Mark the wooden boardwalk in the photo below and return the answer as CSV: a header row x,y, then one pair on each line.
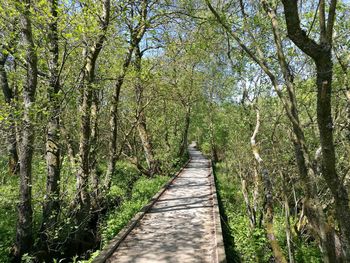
x,y
182,226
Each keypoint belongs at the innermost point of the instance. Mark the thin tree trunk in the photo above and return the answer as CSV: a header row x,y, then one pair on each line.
x,y
136,36
153,164
276,249
250,209
344,68
69,145
214,154
113,121
82,196
82,199
166,127
322,56
289,237
11,129
184,139
256,196
94,169
51,205
24,233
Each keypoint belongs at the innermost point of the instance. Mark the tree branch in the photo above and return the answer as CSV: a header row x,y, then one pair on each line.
x,y
330,21
296,34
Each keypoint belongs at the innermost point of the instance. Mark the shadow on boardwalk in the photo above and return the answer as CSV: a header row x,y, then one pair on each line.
x,y
180,226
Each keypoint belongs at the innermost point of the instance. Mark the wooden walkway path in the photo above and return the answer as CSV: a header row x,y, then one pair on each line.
x,y
181,225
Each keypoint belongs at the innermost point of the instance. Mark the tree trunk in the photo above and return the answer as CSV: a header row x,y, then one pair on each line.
x,y
324,119
276,249
250,209
269,214
69,146
153,164
347,95
136,36
322,56
214,154
344,68
166,127
82,200
11,129
113,121
94,169
184,139
51,205
24,233
82,195
289,237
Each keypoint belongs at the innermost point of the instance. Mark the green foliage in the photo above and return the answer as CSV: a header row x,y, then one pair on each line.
x,y
8,215
252,244
145,188
119,218
189,65
92,257
26,258
116,193
308,252
124,179
206,148
142,191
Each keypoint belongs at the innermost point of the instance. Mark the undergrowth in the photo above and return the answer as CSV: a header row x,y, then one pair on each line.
x,y
252,245
142,192
129,192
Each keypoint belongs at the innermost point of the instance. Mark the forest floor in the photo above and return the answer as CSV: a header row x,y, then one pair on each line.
x,y
180,226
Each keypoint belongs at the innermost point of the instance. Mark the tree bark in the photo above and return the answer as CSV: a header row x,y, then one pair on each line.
x,y
250,209
153,164
313,209
113,121
322,57
344,68
51,205
269,214
184,139
24,233
289,237
94,169
11,129
136,34
82,199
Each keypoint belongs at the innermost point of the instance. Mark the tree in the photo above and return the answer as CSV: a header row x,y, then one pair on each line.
x,y
322,56
51,206
136,33
24,236
11,130
91,53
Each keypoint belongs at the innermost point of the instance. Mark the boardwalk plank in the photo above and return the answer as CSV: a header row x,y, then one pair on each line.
x,y
181,226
